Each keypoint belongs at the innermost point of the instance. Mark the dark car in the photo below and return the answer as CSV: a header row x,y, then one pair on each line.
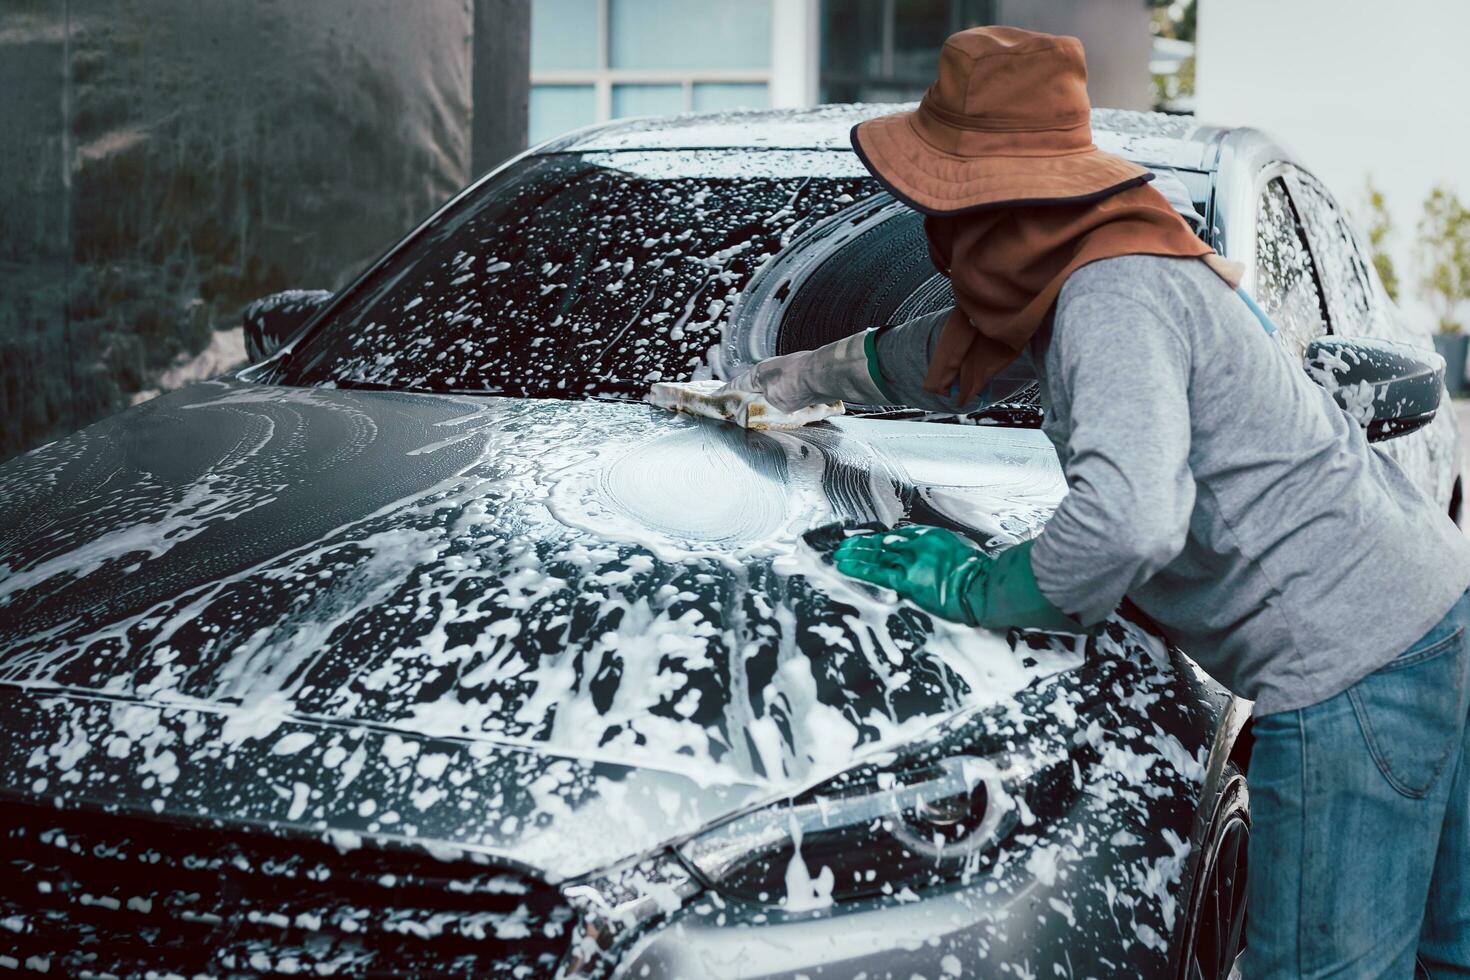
x,y
424,647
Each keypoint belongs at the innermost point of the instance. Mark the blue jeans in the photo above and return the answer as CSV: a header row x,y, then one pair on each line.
x,y
1360,823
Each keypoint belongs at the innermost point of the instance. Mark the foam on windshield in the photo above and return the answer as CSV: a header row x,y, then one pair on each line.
x,y
575,276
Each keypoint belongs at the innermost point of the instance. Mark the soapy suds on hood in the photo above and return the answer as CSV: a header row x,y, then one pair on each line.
x,y
604,581
529,644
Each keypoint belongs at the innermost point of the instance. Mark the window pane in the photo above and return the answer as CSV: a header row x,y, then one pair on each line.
x,y
730,95
558,108
973,13
852,39
919,30
695,34
1344,274
1286,284
646,100
563,34
888,50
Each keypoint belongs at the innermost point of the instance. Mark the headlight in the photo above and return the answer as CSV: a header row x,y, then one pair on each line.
x,y
613,907
902,833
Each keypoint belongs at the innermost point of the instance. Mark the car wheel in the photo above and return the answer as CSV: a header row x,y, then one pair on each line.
x,y
1214,929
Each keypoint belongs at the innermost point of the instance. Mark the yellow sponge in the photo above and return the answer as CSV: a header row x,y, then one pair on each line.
x,y
744,408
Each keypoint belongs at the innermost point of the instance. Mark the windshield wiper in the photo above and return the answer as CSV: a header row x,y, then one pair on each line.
x,y
356,385
1001,414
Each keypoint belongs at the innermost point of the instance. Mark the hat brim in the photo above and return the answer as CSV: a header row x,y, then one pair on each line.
x,y
937,183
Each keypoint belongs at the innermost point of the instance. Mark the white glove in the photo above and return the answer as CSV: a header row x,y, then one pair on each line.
x,y
844,370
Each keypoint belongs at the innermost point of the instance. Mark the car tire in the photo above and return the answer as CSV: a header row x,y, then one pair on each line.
x,y
1213,928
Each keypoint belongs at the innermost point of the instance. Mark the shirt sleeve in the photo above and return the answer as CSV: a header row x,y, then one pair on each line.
x,y
1124,373
904,352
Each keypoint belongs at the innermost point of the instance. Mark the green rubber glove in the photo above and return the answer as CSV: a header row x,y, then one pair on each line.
x,y
931,566
1012,597
946,574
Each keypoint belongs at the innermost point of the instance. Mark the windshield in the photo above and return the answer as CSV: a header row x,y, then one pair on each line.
x,y
577,275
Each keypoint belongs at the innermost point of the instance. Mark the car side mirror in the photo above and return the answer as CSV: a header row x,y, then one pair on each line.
x,y
1391,389
272,320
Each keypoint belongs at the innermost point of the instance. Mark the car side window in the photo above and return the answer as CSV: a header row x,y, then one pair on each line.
x,y
1286,282
1345,277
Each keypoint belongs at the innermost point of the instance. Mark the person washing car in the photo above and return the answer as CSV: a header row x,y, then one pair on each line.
x,y
1210,481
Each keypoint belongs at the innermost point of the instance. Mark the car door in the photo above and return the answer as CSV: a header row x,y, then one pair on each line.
x,y
1288,287
1341,270
1354,304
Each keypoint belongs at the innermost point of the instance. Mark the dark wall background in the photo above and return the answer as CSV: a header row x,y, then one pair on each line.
x,y
163,162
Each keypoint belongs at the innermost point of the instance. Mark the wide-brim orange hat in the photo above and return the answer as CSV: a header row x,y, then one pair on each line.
x,y
1006,122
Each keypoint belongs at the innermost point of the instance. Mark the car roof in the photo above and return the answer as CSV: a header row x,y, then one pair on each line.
x,y
1152,138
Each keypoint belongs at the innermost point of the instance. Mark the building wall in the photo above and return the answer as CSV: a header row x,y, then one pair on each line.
x,y
794,46
498,105
587,66
1350,96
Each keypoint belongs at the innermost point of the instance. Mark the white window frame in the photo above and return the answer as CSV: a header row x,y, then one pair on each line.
x,y
790,79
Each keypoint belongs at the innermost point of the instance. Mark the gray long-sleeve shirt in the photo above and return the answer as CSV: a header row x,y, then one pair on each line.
x,y
1213,483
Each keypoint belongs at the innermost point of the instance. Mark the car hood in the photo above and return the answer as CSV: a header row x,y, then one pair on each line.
x,y
554,632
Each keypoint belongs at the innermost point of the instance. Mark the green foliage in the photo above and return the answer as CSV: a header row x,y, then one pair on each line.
x,y
1186,27
1444,256
1174,18
1380,228
1167,88
77,343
